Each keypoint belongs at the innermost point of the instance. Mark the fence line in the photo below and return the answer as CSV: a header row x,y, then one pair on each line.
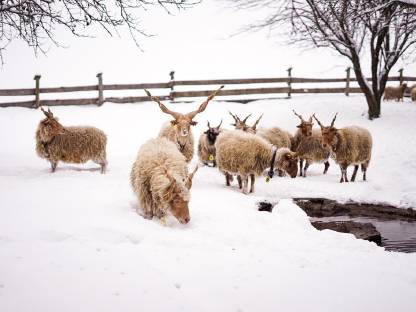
x,y
172,94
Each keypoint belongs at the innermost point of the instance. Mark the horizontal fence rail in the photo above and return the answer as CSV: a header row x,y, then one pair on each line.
x,y
172,94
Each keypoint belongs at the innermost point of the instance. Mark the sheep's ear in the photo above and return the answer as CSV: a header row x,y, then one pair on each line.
x,y
188,182
300,126
193,123
174,122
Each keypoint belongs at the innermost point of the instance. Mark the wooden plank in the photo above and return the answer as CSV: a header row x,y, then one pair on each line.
x,y
138,86
28,104
325,90
66,102
178,94
133,99
16,92
227,81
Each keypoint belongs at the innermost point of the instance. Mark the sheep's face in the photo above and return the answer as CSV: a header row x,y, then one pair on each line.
x,y
49,128
329,137
306,128
212,134
179,207
183,125
290,164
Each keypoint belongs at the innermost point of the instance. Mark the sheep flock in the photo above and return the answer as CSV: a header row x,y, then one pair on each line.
x,y
161,179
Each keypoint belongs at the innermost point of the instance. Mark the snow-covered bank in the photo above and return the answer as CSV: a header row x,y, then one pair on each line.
x,y
72,240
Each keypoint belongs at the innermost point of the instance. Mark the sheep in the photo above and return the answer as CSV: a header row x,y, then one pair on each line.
x,y
391,93
246,154
179,129
55,143
160,180
307,144
413,93
276,136
206,145
349,146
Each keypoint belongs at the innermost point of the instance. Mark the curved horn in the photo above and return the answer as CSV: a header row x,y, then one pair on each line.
x,y
236,119
256,123
300,116
333,120
219,125
245,119
48,113
319,123
203,106
162,107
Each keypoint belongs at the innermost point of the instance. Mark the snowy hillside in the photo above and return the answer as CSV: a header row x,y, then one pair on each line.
x,y
72,241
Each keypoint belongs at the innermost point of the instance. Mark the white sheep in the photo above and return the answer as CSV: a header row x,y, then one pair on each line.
x,y
248,155
160,179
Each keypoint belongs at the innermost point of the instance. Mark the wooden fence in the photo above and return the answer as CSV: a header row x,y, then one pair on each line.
x,y
230,90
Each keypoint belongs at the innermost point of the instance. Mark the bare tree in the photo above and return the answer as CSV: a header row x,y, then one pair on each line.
x,y
36,21
384,29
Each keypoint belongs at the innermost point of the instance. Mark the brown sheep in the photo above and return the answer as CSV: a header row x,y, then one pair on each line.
x,y
160,179
55,143
349,146
206,145
179,130
391,93
307,145
248,155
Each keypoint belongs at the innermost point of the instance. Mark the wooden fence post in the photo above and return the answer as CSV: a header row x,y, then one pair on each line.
x,y
172,85
37,91
289,81
100,89
347,86
401,75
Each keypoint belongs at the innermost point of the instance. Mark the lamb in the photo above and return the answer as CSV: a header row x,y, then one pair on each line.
x,y
160,180
349,146
307,144
55,143
246,154
391,93
179,129
206,146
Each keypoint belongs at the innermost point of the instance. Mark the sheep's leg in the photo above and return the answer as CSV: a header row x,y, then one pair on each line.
x,y
344,177
103,166
240,182
300,167
280,172
214,163
145,212
306,168
54,164
326,167
227,179
364,170
245,184
253,179
354,173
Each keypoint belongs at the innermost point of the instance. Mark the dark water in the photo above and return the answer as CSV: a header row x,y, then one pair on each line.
x,y
396,235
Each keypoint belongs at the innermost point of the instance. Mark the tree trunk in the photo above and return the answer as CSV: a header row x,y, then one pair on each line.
x,y
373,101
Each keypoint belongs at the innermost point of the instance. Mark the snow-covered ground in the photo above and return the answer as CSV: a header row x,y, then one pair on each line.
x,y
72,241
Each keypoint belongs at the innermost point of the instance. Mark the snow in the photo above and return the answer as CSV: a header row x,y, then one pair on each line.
x,y
72,241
